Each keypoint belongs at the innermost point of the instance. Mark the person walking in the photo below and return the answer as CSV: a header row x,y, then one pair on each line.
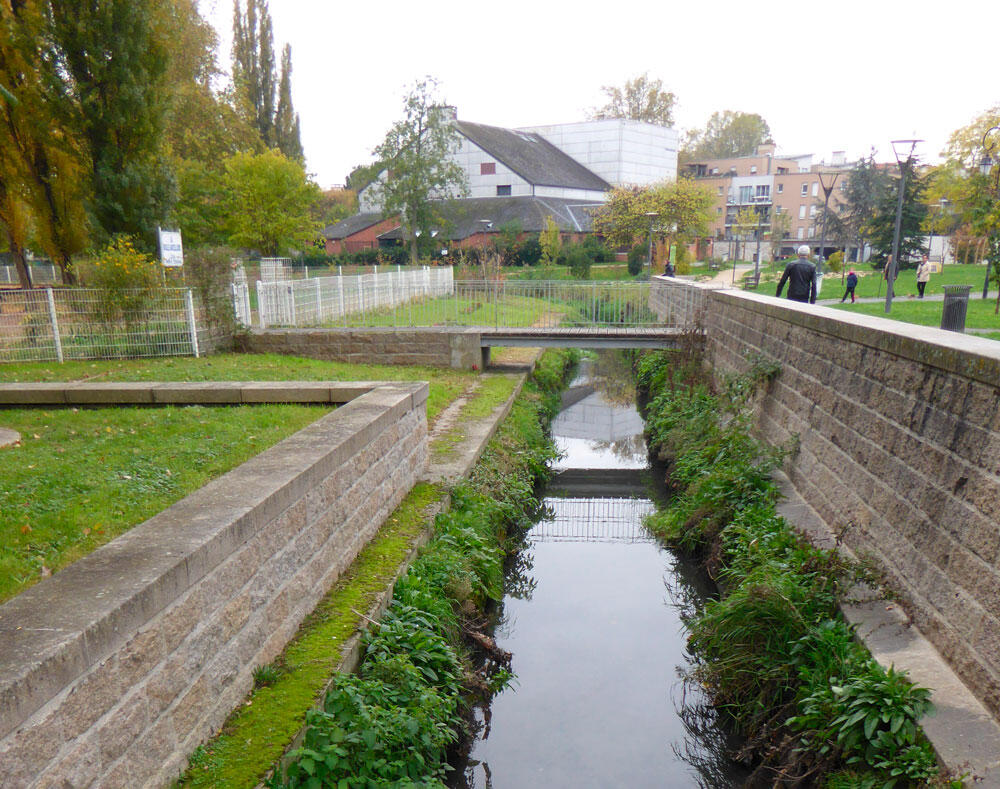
x,y
923,275
800,275
851,283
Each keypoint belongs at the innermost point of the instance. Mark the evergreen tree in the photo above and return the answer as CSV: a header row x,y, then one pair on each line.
x,y
853,209
911,234
112,58
286,120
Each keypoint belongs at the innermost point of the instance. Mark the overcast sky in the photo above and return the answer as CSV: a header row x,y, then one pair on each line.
x,y
825,76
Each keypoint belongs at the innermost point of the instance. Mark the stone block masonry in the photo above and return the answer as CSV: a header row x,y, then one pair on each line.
x,y
454,347
898,435
113,670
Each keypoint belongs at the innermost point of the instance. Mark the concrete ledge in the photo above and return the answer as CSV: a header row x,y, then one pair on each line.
x,y
191,393
170,618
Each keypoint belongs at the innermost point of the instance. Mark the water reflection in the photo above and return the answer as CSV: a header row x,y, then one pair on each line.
x,y
594,615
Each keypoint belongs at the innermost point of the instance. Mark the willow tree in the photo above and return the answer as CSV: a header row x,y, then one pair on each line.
x,y
633,214
43,182
420,172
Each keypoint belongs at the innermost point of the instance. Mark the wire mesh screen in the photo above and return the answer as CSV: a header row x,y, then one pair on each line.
x,y
84,323
40,273
594,520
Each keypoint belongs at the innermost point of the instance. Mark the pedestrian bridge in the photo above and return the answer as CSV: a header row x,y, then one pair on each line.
x,y
500,313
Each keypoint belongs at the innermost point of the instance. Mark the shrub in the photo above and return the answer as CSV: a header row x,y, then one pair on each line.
x,y
835,262
127,279
637,259
578,261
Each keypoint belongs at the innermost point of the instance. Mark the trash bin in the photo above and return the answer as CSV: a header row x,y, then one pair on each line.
x,y
956,303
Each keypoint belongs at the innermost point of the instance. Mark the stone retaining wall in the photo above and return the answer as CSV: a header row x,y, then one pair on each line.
x,y
437,347
898,429
113,670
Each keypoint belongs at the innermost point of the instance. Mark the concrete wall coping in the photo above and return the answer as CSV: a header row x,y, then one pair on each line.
x,y
51,633
195,392
961,354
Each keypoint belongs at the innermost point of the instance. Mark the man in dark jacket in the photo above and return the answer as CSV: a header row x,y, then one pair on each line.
x,y
800,275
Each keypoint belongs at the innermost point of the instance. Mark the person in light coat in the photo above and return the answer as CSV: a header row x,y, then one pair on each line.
x,y
923,275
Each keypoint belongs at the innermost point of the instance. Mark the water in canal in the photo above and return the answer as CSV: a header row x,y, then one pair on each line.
x,y
592,616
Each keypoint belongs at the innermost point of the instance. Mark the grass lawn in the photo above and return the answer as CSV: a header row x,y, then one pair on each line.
x,y
82,477
980,314
871,284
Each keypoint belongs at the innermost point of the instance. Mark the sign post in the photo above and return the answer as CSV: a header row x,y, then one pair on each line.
x,y
171,248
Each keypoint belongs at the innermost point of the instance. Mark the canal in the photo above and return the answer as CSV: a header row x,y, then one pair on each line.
x,y
593,617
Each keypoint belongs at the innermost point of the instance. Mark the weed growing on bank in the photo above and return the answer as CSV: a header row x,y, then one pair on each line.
x,y
393,722
774,652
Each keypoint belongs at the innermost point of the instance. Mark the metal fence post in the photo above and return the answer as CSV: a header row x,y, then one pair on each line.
x,y
319,301
55,324
192,327
340,292
262,315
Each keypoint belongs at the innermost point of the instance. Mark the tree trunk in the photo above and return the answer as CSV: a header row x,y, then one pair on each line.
x,y
20,262
414,255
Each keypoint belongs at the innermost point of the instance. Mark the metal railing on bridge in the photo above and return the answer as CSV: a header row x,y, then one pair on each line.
x,y
429,298
594,520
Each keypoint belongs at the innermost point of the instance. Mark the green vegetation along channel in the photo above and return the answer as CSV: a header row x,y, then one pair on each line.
x,y
773,651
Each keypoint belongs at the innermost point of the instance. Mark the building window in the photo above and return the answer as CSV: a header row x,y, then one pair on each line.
x,y
802,212
488,168
815,188
720,190
800,234
715,171
781,188
503,191
812,231
753,169
805,190
746,194
812,210
718,210
782,170
763,192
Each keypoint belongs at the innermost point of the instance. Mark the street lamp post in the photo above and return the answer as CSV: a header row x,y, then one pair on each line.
x,y
827,191
986,165
760,222
899,148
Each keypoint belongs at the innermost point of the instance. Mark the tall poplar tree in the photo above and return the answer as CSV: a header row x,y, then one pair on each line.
x,y
286,120
265,98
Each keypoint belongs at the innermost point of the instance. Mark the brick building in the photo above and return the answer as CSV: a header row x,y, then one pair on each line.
x,y
770,185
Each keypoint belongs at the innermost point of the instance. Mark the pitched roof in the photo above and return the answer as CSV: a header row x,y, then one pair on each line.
x,y
464,217
351,225
532,157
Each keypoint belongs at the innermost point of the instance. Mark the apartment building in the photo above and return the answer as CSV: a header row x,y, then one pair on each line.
x,y
770,186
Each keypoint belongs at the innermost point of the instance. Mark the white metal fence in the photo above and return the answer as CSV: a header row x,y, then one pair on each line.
x,y
40,273
84,323
340,300
429,297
